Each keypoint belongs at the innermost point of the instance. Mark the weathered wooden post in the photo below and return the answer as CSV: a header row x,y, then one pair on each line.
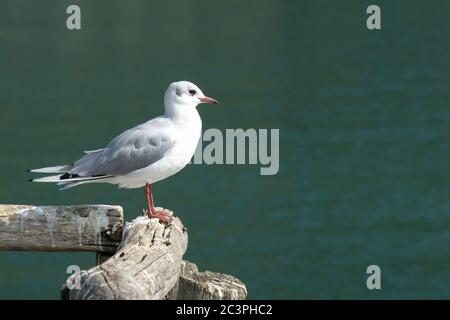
x,y
145,266
139,260
207,285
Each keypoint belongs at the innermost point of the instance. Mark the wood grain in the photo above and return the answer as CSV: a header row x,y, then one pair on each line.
x,y
96,228
145,267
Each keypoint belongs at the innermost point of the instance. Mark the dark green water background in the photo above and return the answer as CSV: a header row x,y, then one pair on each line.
x,y
364,130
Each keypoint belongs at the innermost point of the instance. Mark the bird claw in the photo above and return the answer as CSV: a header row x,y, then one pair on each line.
x,y
163,215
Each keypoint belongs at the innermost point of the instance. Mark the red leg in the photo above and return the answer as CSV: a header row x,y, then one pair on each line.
x,y
152,212
149,197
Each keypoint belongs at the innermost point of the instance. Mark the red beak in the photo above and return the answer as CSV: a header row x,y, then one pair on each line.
x,y
208,100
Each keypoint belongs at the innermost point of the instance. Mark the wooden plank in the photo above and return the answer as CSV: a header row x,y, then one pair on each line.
x,y
146,265
96,228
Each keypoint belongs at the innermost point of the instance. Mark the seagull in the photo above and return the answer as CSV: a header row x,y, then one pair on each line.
x,y
145,154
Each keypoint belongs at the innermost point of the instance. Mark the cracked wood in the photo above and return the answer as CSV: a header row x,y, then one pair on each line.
x,y
146,265
96,228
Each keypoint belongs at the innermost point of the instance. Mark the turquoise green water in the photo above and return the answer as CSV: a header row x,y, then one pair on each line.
x,y
364,129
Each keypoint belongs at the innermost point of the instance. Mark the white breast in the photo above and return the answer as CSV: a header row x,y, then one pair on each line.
x,y
186,134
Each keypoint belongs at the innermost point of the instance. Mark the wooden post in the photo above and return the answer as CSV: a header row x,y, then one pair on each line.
x,y
195,285
96,228
101,257
142,262
145,266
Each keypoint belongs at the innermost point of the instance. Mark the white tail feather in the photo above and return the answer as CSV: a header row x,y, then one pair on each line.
x,y
55,169
56,178
47,179
73,184
93,151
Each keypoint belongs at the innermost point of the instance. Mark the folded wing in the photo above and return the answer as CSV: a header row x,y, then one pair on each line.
x,y
133,150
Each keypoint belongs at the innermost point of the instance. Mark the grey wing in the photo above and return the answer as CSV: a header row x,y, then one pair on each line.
x,y
132,150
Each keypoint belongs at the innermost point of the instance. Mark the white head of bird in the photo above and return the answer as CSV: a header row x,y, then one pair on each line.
x,y
184,94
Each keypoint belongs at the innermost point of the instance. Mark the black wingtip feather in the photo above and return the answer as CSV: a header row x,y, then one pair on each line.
x,y
30,180
68,176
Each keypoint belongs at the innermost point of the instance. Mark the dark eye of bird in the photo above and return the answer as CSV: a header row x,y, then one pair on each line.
x,y
192,92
